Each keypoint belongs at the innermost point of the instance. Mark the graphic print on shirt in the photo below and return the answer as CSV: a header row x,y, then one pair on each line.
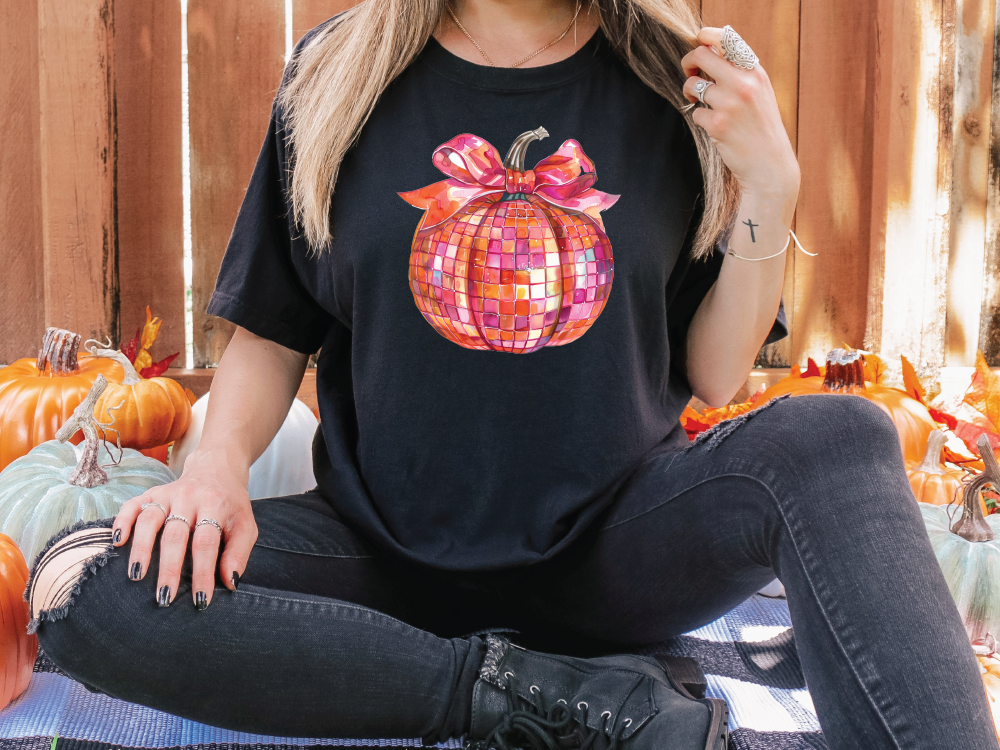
x,y
507,259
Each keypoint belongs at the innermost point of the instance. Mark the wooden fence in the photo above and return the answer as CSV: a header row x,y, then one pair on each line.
x,y
890,105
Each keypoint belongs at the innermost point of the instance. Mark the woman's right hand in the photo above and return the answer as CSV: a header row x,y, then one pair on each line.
x,y
209,488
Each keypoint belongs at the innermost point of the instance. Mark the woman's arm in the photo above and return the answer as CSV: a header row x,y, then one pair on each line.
x,y
744,123
251,393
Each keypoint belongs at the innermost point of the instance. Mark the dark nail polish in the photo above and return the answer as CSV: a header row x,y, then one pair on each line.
x,y
200,600
164,597
135,571
236,580
117,537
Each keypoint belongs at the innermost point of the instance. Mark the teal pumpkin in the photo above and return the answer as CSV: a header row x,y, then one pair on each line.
x,y
967,546
37,499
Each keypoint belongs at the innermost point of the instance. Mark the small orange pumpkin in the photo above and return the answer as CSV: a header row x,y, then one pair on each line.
x,y
931,481
845,373
38,394
147,413
18,650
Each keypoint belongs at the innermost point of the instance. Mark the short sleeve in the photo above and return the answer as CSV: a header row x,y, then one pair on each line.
x,y
686,289
258,286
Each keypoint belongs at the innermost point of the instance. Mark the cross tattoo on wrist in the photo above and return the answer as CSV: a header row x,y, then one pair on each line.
x,y
750,224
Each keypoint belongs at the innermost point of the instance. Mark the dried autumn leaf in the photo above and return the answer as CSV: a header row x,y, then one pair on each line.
x,y
796,372
874,368
911,383
132,347
157,368
151,330
812,370
984,393
970,433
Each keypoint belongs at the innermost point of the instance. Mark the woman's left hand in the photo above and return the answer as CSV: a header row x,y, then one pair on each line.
x,y
742,118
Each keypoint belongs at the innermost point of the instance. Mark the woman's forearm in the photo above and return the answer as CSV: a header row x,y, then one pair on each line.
x,y
736,315
252,392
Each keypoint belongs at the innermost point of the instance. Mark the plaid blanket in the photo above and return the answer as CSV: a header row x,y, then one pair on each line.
x,y
748,656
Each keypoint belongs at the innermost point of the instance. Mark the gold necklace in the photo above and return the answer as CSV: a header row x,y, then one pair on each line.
x,y
579,4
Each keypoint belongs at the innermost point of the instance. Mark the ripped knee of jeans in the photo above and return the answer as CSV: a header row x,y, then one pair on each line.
x,y
714,436
68,559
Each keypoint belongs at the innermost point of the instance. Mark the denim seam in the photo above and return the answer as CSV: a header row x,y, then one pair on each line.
x,y
332,603
90,568
313,554
805,568
822,606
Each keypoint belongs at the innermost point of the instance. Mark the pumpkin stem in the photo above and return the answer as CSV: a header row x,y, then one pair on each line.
x,y
88,472
845,372
131,376
515,157
932,458
972,525
59,349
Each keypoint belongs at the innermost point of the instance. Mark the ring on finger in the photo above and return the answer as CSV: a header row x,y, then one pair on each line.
x,y
146,505
176,517
736,50
210,522
700,88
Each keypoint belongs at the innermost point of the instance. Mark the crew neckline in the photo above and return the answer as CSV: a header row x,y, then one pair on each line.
x,y
514,79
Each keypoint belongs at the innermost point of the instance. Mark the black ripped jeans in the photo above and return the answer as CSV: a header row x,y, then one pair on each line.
x,y
328,638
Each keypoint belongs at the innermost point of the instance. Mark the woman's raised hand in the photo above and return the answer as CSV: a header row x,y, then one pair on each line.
x,y
741,118
208,489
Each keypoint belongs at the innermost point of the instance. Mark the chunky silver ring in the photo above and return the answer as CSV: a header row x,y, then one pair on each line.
x,y
209,521
737,51
701,87
146,505
175,517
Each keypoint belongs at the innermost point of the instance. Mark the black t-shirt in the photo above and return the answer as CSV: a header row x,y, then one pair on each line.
x,y
490,368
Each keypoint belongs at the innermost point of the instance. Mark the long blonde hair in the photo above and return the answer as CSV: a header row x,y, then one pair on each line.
x,y
339,76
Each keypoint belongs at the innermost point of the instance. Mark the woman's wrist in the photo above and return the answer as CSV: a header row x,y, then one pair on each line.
x,y
228,463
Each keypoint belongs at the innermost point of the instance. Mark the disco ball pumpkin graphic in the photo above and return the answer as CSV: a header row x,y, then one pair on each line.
x,y
507,259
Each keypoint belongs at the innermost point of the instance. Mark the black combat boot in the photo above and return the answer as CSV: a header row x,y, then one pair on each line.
x,y
524,699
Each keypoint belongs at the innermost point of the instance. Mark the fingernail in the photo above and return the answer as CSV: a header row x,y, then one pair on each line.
x,y
200,600
164,597
135,571
236,580
117,537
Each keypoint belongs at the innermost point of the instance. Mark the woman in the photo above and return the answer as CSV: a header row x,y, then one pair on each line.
x,y
463,486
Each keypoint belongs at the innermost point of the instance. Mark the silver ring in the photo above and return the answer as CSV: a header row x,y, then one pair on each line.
x,y
146,505
700,88
211,522
737,51
175,517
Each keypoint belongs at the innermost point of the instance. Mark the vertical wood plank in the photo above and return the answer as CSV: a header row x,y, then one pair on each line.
x,y
235,57
833,214
150,200
78,161
307,14
989,319
912,163
772,30
22,309
971,79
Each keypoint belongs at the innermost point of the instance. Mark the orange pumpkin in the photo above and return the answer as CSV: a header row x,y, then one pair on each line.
x,y
931,481
990,668
18,650
38,395
845,373
147,413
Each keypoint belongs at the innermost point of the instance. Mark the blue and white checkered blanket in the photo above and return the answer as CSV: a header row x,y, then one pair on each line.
x,y
748,656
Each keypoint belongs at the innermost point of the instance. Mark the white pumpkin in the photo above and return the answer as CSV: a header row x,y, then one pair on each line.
x,y
285,468
37,500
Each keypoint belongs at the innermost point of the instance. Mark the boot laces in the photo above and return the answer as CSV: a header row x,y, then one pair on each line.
x,y
530,725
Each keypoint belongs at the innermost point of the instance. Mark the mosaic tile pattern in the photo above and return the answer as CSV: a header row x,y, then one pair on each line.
x,y
512,275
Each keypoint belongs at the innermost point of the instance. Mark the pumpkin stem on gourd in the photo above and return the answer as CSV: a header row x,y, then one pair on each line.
x,y
932,458
88,472
59,349
131,376
972,525
845,372
515,157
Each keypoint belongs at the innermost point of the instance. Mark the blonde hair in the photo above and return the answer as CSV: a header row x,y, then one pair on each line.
x,y
339,75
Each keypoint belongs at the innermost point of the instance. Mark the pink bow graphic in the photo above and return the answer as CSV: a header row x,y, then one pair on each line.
x,y
475,168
